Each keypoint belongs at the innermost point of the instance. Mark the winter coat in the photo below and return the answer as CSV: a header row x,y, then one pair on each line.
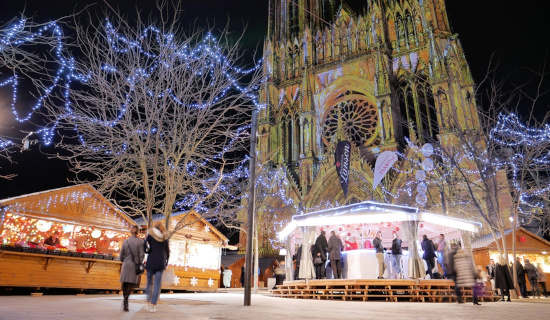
x,y
531,271
503,280
159,250
321,246
449,260
520,272
378,245
464,270
542,275
441,245
128,270
335,248
490,271
428,248
396,246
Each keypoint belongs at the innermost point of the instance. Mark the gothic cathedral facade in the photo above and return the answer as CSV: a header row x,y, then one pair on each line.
x,y
376,76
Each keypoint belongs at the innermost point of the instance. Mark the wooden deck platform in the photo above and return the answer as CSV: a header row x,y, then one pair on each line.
x,y
376,289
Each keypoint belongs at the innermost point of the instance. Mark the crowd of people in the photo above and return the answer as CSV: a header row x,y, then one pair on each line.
x,y
456,264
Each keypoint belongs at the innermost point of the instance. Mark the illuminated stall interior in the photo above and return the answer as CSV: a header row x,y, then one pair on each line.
x,y
528,246
85,220
195,253
357,225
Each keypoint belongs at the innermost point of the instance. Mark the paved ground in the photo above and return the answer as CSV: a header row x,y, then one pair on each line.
x,y
230,306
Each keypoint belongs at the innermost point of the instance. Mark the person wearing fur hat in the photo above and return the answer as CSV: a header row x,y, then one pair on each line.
x,y
156,244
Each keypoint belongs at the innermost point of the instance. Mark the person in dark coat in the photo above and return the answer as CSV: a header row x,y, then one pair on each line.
x,y
532,275
520,273
397,253
429,254
335,248
321,246
297,258
503,280
159,254
131,254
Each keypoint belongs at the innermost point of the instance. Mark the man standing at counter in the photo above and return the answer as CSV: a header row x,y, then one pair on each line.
x,y
377,242
335,248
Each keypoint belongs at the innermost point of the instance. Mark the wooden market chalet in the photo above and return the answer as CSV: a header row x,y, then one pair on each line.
x,y
92,230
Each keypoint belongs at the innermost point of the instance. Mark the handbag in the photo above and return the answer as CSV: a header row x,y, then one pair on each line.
x,y
317,261
140,268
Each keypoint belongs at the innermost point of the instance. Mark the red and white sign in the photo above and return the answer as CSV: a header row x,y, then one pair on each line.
x,y
383,164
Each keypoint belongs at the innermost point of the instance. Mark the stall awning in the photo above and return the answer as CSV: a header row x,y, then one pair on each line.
x,y
373,212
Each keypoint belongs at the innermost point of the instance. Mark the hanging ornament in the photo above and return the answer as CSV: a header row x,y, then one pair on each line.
x,y
388,224
421,225
321,228
340,229
96,233
110,234
349,234
421,199
422,188
428,164
427,150
420,175
396,229
43,226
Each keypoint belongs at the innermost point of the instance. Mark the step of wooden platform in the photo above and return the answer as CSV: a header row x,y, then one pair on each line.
x,y
375,289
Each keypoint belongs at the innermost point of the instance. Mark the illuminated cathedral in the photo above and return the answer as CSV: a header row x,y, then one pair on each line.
x,y
376,76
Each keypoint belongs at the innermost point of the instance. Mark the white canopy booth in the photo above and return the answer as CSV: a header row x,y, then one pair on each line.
x,y
357,224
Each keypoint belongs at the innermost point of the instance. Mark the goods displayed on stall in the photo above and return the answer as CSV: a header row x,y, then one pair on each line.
x,y
24,234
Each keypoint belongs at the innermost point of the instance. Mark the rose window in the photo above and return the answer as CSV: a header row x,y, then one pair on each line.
x,y
357,118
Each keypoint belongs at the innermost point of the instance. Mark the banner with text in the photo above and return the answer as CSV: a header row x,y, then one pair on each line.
x,y
383,164
342,158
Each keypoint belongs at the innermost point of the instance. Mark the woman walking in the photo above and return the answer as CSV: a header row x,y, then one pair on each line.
x,y
131,254
159,253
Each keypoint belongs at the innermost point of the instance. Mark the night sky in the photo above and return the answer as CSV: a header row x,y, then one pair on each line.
x,y
515,31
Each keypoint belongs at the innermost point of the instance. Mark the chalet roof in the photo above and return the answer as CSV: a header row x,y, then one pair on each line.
x,y
78,204
264,263
229,258
195,218
488,240
373,212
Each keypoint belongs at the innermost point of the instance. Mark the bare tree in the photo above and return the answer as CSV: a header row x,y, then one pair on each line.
x,y
28,59
496,171
159,118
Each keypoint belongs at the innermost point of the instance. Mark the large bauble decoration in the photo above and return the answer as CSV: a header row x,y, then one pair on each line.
x,y
427,150
421,199
43,226
96,233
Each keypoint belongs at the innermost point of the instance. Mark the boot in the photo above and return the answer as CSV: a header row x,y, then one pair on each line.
x,y
125,304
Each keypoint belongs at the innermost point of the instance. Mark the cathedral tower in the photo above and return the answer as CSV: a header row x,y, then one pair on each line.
x,y
374,76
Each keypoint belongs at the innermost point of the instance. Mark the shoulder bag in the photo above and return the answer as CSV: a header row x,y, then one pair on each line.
x,y
139,265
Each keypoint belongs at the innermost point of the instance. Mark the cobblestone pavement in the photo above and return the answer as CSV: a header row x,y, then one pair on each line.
x,y
230,306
